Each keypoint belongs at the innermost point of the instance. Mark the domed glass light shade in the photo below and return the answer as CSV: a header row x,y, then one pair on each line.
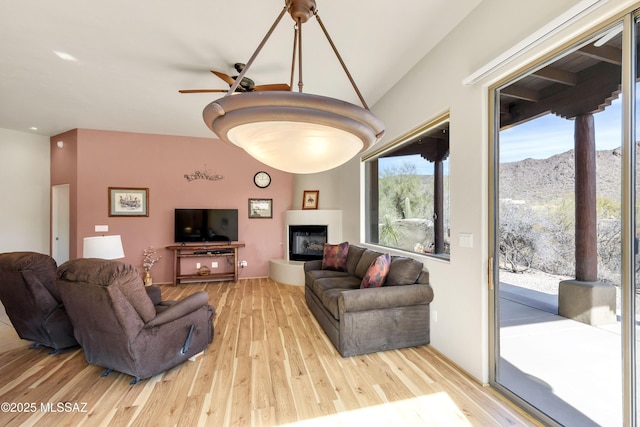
x,y
293,132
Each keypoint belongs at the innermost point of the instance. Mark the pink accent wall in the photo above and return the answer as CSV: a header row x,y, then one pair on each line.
x,y
104,159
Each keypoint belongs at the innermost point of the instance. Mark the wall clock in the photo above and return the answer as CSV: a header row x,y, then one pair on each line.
x,y
262,179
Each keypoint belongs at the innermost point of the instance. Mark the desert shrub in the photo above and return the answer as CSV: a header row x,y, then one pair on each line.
x,y
543,238
517,236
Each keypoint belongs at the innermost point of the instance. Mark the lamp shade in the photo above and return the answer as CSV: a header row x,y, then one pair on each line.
x,y
294,132
104,247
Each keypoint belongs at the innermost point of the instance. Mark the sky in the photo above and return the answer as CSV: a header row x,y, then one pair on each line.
x,y
548,135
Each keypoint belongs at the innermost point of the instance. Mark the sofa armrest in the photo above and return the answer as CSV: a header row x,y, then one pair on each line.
x,y
180,309
315,264
384,297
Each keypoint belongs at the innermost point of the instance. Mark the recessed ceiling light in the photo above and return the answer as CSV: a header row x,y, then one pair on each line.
x,y
65,56
33,128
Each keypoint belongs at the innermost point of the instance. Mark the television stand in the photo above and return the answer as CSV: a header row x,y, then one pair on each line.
x,y
209,250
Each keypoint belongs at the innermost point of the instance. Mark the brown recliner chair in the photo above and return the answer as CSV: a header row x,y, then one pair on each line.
x,y
32,301
118,326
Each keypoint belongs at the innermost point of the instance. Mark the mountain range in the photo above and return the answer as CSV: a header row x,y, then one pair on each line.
x,y
540,180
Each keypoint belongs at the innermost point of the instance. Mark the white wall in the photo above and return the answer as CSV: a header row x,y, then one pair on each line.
x,y
325,182
24,192
433,86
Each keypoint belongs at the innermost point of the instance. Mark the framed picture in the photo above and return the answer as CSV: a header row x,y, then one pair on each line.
x,y
260,208
128,201
310,199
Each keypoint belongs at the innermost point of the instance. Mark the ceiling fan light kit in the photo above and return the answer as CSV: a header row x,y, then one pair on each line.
x,y
293,131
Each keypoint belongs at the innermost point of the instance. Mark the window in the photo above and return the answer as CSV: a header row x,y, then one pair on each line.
x,y
407,192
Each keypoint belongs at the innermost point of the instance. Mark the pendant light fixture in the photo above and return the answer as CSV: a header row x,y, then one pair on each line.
x,y
294,131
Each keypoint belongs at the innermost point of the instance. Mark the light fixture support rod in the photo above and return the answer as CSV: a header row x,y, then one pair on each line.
x,y
300,83
344,66
293,55
235,84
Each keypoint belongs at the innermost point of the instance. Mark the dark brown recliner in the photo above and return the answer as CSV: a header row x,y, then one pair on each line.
x,y
32,301
118,326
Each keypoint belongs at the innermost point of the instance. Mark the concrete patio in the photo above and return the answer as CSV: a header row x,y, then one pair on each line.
x,y
570,370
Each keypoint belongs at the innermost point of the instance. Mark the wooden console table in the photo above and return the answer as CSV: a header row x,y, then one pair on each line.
x,y
210,250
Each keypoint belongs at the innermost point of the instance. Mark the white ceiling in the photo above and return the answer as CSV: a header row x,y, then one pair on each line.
x,y
134,55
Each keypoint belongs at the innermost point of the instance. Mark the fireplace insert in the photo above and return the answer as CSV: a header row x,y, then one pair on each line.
x,y
306,242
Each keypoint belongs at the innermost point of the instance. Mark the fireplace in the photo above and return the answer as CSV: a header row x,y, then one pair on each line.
x,y
288,270
306,242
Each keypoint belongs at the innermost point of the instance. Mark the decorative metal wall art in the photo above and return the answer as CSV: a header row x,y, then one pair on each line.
x,y
202,174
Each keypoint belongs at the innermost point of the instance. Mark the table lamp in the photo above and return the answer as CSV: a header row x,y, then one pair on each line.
x,y
105,247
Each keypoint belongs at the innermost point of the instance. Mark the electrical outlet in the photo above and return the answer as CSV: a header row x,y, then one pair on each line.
x,y
214,264
243,264
197,265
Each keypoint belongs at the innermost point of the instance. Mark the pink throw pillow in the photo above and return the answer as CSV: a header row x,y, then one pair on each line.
x,y
377,272
334,257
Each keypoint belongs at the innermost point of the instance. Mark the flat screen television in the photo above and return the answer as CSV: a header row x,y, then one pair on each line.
x,y
206,225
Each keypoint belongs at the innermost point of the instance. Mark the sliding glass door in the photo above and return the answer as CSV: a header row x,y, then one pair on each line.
x,y
564,236
631,262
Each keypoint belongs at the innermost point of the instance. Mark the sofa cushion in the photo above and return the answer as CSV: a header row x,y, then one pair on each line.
x,y
347,282
367,258
334,257
354,255
311,276
377,272
403,271
321,274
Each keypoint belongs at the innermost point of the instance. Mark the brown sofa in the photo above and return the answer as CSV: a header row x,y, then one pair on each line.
x,y
360,321
32,301
118,325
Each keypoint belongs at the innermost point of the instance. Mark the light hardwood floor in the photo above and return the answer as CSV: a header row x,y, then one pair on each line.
x,y
270,364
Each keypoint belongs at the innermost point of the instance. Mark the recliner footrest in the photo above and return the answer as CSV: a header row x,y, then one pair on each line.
x,y
187,343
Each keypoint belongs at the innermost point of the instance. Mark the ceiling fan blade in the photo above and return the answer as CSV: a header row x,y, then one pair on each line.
x,y
202,90
225,77
273,87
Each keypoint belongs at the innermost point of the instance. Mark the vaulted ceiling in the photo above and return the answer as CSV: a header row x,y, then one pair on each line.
x,y
130,58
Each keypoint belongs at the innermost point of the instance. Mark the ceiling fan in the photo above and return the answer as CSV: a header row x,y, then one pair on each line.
x,y
246,84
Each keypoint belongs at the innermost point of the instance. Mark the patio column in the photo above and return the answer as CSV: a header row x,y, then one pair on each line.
x,y
586,249
585,299
438,207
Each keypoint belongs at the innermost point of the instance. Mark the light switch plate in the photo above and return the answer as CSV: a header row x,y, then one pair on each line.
x,y
466,240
